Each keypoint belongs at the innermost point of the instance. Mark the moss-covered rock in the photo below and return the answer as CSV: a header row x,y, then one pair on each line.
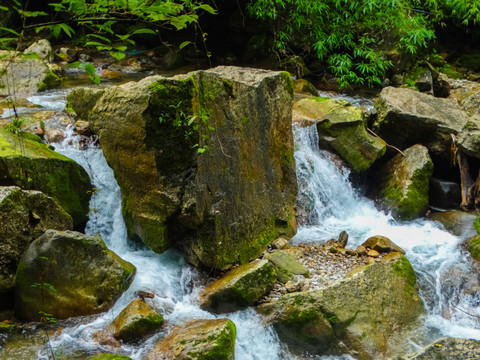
x,y
240,120
240,287
358,314
25,74
33,166
107,356
342,128
406,118
198,340
69,274
137,320
448,349
24,216
402,184
287,266
472,245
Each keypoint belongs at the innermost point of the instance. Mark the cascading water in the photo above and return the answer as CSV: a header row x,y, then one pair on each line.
x,y
330,205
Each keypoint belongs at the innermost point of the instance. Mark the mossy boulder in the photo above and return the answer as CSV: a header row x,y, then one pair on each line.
x,y
448,349
25,74
24,216
69,274
357,315
402,184
407,117
107,356
184,149
240,287
472,245
286,264
198,340
137,320
33,166
342,128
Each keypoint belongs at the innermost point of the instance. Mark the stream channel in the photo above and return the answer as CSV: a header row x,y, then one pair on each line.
x,y
445,273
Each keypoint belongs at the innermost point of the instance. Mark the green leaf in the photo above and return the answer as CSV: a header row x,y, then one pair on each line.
x,y
95,79
207,8
183,44
144,31
90,69
3,8
10,31
117,55
32,13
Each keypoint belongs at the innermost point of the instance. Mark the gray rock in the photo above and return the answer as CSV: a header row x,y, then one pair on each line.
x,y
69,274
24,216
407,117
448,349
42,48
424,82
457,222
402,185
172,194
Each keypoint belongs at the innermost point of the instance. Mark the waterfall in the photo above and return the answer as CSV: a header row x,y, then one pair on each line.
x,y
446,279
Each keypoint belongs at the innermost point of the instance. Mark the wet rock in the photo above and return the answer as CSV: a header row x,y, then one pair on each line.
x,y
287,266
444,194
74,274
83,128
136,321
24,216
424,83
341,128
108,356
198,339
239,288
280,243
407,117
441,86
448,349
402,185
25,74
174,195
373,253
335,320
382,244
54,135
305,87
50,172
459,223
42,48
361,250
105,339
83,58
68,54
343,239
472,245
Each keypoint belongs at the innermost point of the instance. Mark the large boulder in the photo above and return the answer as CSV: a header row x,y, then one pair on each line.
x,y
357,315
33,166
198,339
24,74
68,274
24,216
240,287
402,184
407,117
458,222
342,128
137,320
448,349
186,149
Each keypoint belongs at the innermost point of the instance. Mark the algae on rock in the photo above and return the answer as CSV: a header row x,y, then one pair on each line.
x,y
33,166
223,206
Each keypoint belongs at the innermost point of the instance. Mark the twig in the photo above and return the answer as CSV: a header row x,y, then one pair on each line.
x,y
456,307
390,146
219,142
50,345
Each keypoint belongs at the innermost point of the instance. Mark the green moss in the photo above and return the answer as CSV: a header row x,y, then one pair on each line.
x,y
451,72
404,269
320,98
109,357
129,269
470,61
6,328
474,247
287,78
50,81
224,346
141,327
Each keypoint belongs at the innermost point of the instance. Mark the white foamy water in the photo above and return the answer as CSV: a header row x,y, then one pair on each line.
x,y
444,273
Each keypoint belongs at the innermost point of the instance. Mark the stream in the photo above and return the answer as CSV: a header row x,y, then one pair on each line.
x,y
447,281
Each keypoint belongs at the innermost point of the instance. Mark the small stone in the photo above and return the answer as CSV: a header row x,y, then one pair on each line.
x,y
333,249
83,128
343,239
84,58
54,136
361,250
105,339
373,253
371,261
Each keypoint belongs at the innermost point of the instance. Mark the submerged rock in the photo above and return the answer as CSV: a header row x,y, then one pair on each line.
x,y
32,166
69,274
358,314
342,128
204,160
137,320
198,339
402,185
407,117
24,216
448,349
239,288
